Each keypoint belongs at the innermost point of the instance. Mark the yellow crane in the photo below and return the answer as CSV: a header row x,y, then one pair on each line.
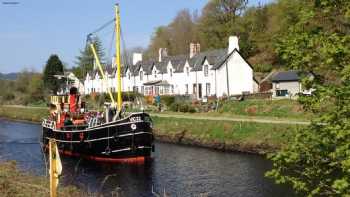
x,y
117,62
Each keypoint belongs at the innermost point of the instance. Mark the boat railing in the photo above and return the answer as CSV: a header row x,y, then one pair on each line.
x,y
49,123
93,122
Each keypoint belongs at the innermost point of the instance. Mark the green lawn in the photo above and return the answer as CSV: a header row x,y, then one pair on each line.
x,y
23,113
271,136
285,108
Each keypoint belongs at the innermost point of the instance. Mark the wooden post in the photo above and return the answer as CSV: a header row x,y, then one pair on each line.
x,y
53,168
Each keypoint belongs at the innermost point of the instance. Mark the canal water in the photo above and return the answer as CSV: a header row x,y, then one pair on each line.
x,y
176,170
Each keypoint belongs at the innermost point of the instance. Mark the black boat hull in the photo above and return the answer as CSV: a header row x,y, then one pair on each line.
x,y
127,139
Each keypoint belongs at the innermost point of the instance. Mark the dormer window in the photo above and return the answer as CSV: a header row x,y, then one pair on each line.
x,y
206,70
155,74
129,76
171,72
188,71
141,75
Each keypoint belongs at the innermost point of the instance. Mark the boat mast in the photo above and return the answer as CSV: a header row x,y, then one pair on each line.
x,y
117,43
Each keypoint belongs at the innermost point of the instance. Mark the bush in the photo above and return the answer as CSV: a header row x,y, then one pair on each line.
x,y
130,96
167,100
9,96
174,107
182,107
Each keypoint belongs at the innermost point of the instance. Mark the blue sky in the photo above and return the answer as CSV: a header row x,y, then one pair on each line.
x,y
34,29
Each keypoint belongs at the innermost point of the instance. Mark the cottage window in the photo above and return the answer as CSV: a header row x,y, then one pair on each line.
x,y
206,70
186,88
141,75
208,89
281,92
155,74
129,76
171,72
188,71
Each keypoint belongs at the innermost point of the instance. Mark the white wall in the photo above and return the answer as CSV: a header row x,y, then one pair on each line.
x,y
293,87
240,76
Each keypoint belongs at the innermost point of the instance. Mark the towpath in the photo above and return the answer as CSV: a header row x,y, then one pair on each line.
x,y
234,119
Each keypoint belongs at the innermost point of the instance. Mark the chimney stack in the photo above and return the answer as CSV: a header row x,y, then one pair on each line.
x,y
194,49
163,52
232,44
136,57
113,62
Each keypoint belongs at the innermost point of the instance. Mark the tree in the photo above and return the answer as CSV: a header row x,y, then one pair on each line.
x,y
317,161
176,36
53,67
218,22
85,61
160,39
182,32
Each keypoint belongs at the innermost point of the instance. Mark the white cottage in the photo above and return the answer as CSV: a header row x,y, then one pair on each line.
x,y
218,73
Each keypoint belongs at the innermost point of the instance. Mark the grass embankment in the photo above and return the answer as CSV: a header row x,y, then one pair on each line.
x,y
283,109
219,134
16,183
250,137
34,114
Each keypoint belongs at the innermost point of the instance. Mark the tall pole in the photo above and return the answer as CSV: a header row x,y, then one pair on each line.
x,y
117,43
53,171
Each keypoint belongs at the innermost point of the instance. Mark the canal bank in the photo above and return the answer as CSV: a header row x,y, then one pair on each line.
x,y
13,182
225,135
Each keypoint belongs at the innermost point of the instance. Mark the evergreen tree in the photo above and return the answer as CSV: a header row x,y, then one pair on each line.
x,y
85,61
317,161
53,67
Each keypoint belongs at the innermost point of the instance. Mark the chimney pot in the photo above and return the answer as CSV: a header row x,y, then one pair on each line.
x,y
194,49
163,52
136,57
233,44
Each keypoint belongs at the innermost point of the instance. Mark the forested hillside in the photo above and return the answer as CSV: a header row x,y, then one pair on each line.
x,y
8,76
259,29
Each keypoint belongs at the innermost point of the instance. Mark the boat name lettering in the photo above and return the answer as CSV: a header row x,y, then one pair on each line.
x,y
135,119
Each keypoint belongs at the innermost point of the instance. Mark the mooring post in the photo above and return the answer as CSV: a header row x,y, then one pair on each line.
x,y
55,167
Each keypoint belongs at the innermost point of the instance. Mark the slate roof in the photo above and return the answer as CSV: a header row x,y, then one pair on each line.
x,y
286,76
178,62
110,70
213,57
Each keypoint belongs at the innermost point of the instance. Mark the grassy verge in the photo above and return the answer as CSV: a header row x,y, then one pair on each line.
x,y
16,183
284,108
225,135
23,113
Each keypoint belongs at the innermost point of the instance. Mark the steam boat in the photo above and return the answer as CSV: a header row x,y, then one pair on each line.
x,y
109,136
